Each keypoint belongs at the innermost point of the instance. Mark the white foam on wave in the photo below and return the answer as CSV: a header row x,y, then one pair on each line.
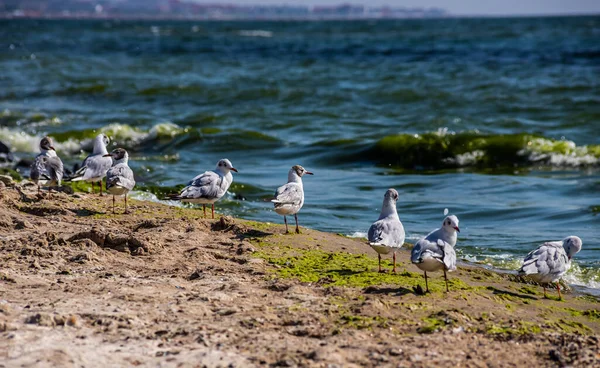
x,y
466,159
358,234
578,275
559,153
256,33
151,197
21,141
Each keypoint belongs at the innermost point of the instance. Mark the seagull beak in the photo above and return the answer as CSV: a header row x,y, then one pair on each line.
x,y
107,155
456,228
309,173
234,169
52,148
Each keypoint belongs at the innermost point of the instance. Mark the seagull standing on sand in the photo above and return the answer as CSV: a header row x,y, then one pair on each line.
x,y
435,252
209,187
550,261
289,198
119,178
96,165
387,233
47,169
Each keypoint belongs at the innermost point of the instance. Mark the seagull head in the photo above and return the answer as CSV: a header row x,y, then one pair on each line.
x,y
572,245
103,138
300,171
118,154
46,144
451,224
225,166
391,194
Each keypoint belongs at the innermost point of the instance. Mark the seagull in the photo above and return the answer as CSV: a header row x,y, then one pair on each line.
x,y
96,165
47,169
209,187
119,178
289,198
387,233
550,261
436,251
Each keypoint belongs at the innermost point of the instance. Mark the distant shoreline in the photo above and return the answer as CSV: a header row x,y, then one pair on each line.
x,y
284,19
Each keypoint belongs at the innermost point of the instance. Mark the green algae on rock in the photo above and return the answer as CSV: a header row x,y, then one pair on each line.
x,y
442,149
343,269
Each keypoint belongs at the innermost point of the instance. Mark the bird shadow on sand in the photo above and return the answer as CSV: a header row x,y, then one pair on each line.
x,y
227,224
397,291
500,292
84,212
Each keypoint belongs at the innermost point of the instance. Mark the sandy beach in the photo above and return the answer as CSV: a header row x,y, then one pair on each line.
x,y
162,286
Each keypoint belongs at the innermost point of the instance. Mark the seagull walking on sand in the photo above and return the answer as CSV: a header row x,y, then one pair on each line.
x,y
289,198
435,252
550,261
47,169
119,178
209,187
387,233
96,165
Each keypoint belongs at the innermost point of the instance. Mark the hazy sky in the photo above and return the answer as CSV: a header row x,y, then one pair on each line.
x,y
467,7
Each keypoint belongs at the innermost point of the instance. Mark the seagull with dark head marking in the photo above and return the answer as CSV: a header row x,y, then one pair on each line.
x,y
550,261
435,252
47,169
289,198
209,187
119,178
387,233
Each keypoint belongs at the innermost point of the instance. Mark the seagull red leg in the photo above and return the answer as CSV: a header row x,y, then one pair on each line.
x,y
446,278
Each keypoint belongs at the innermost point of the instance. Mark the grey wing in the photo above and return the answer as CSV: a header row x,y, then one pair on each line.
x,y
449,255
96,166
425,249
38,168
374,234
548,258
388,232
209,185
54,169
120,175
288,194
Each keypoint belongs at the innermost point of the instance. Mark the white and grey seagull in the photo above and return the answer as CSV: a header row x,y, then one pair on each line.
x,y
435,252
47,169
550,261
387,233
96,165
119,178
209,187
289,198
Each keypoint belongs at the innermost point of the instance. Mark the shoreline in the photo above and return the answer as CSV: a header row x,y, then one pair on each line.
x,y
165,286
581,289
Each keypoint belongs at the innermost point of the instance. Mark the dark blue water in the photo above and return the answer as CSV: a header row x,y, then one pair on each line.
x,y
497,120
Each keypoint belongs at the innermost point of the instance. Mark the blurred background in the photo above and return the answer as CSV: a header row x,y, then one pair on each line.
x,y
488,109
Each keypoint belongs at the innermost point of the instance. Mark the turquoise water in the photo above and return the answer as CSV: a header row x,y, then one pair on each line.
x,y
496,120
